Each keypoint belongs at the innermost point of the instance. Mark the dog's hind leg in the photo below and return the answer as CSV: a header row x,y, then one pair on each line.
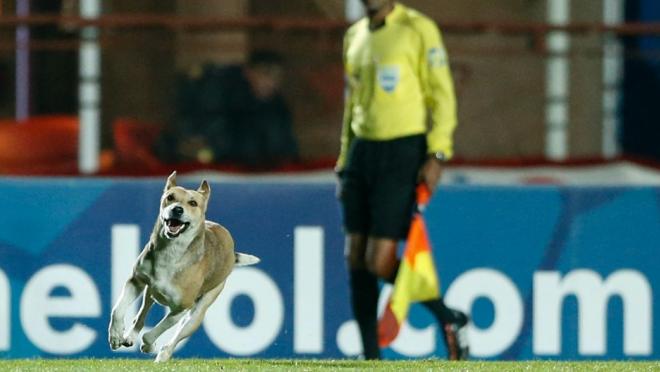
x,y
168,321
190,323
129,293
138,322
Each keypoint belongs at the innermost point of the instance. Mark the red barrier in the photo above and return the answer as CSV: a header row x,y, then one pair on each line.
x,y
39,143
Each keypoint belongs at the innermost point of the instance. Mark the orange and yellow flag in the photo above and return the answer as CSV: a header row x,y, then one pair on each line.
x,y
416,279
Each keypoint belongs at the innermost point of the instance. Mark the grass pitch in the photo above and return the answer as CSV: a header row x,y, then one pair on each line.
x,y
183,365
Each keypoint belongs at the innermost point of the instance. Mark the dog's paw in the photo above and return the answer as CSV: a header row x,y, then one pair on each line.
x,y
115,338
116,341
164,355
129,338
147,348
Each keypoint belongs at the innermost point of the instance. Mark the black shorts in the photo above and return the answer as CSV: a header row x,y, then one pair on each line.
x,y
378,186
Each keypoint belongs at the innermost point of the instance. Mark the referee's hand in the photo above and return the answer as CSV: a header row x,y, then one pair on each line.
x,y
338,186
431,173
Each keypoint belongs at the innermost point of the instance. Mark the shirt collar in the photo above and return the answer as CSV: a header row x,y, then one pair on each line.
x,y
395,14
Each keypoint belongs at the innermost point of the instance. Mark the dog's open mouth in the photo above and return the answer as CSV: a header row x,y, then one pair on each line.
x,y
174,227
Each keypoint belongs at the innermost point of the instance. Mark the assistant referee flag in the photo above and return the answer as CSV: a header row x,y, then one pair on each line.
x,y
416,279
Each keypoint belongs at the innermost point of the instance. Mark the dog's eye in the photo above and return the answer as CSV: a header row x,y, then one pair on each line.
x,y
170,197
192,203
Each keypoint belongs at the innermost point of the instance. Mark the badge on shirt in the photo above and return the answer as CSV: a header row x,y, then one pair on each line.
x,y
388,77
437,57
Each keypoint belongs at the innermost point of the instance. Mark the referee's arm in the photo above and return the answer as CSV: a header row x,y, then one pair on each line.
x,y
438,90
346,130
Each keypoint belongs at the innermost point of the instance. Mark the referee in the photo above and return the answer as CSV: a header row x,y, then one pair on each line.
x,y
398,123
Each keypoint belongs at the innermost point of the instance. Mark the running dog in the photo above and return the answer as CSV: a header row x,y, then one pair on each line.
x,y
184,267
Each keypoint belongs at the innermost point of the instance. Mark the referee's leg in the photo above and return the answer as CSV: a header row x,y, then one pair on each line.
x,y
381,258
355,201
364,294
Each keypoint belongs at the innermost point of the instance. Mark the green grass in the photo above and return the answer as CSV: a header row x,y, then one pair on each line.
x,y
182,365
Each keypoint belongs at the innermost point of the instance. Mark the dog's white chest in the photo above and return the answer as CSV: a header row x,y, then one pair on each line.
x,y
164,290
160,273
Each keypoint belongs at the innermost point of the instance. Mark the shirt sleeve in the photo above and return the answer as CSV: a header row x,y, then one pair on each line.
x,y
346,131
438,89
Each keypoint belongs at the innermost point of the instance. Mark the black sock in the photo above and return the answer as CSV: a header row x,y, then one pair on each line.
x,y
364,298
442,313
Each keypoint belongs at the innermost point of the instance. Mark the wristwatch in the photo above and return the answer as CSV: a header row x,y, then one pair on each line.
x,y
439,156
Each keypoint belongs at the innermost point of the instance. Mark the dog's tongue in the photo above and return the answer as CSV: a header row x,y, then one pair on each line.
x,y
174,226
174,223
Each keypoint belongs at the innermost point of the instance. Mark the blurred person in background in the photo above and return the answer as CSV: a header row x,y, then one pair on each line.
x,y
397,73
232,115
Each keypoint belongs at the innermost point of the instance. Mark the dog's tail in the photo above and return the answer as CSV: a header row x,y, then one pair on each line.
x,y
243,259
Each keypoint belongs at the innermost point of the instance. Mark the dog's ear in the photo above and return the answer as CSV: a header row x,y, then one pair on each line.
x,y
204,189
171,181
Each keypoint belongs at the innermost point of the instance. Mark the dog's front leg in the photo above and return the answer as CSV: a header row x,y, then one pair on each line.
x,y
138,322
190,323
166,323
129,293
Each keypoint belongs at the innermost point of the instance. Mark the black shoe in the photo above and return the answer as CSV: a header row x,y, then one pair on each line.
x,y
456,337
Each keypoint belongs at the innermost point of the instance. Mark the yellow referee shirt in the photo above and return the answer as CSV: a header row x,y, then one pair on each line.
x,y
394,76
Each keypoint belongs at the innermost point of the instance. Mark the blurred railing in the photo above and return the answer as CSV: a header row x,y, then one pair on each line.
x,y
498,67
179,22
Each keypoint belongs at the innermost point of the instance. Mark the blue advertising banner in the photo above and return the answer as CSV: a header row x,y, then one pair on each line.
x,y
545,272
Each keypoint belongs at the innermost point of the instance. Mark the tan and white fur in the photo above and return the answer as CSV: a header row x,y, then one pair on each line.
x,y
184,267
